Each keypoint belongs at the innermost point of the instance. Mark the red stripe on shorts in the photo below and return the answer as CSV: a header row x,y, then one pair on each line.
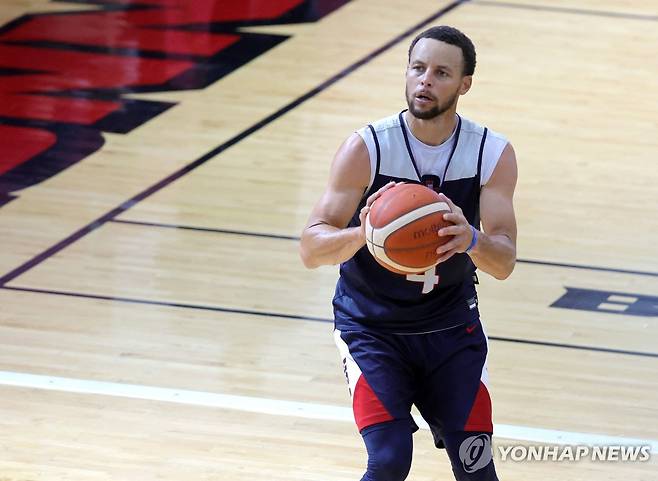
x,y
480,417
368,409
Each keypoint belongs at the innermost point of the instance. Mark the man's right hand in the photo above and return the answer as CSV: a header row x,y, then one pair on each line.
x,y
372,198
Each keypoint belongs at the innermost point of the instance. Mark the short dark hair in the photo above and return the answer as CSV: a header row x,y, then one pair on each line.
x,y
452,36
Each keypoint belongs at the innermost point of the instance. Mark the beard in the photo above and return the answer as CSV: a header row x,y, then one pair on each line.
x,y
433,112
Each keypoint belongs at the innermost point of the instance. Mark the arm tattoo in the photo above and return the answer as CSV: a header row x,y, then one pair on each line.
x,y
317,224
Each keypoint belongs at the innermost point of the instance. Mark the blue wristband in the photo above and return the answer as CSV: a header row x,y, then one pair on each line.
x,y
473,241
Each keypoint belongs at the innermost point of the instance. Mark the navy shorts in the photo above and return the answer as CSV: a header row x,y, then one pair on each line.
x,y
443,373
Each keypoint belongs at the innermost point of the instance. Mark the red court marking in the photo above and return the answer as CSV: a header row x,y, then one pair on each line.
x,y
73,70
62,109
130,28
19,144
98,30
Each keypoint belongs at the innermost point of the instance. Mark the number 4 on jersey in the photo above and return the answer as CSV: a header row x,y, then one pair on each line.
x,y
429,279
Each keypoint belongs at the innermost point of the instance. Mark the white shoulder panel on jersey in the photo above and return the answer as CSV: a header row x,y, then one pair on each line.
x,y
493,148
464,161
366,135
469,148
391,141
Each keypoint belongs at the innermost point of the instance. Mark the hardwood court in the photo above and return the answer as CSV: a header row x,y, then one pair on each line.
x,y
155,320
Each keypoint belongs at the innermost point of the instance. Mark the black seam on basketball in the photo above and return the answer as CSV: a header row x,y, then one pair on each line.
x,y
372,231
387,201
400,249
405,249
373,251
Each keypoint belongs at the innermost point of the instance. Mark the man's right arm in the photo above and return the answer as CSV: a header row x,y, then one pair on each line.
x,y
326,239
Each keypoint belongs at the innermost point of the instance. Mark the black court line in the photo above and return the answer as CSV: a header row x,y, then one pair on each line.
x,y
575,346
181,305
38,259
205,229
576,11
304,318
295,238
589,267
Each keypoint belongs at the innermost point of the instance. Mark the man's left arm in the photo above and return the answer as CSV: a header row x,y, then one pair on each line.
x,y
493,249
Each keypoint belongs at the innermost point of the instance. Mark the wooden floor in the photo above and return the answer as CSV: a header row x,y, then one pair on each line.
x,y
156,322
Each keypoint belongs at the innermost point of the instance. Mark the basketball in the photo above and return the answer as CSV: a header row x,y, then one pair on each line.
x,y
401,228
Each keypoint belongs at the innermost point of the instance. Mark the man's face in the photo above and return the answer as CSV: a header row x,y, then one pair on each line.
x,y
434,78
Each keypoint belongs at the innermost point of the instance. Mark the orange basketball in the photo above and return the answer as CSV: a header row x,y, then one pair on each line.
x,y
402,226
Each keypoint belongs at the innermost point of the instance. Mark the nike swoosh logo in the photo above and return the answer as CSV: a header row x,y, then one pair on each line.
x,y
471,328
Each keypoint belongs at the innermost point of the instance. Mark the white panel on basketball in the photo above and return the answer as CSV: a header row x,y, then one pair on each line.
x,y
381,255
380,234
376,251
369,232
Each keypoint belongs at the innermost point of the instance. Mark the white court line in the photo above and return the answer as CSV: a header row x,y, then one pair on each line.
x,y
288,408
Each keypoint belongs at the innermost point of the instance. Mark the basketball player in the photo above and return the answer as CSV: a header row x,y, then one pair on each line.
x,y
417,339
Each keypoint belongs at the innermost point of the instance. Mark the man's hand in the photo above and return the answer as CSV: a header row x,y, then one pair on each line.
x,y
494,249
461,230
366,208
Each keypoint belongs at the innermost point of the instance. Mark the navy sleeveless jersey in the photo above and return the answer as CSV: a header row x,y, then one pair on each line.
x,y
368,296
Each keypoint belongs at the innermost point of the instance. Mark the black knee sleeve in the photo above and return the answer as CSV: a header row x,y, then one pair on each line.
x,y
471,456
389,448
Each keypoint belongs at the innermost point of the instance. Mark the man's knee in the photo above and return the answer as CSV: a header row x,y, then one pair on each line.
x,y
389,448
388,465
